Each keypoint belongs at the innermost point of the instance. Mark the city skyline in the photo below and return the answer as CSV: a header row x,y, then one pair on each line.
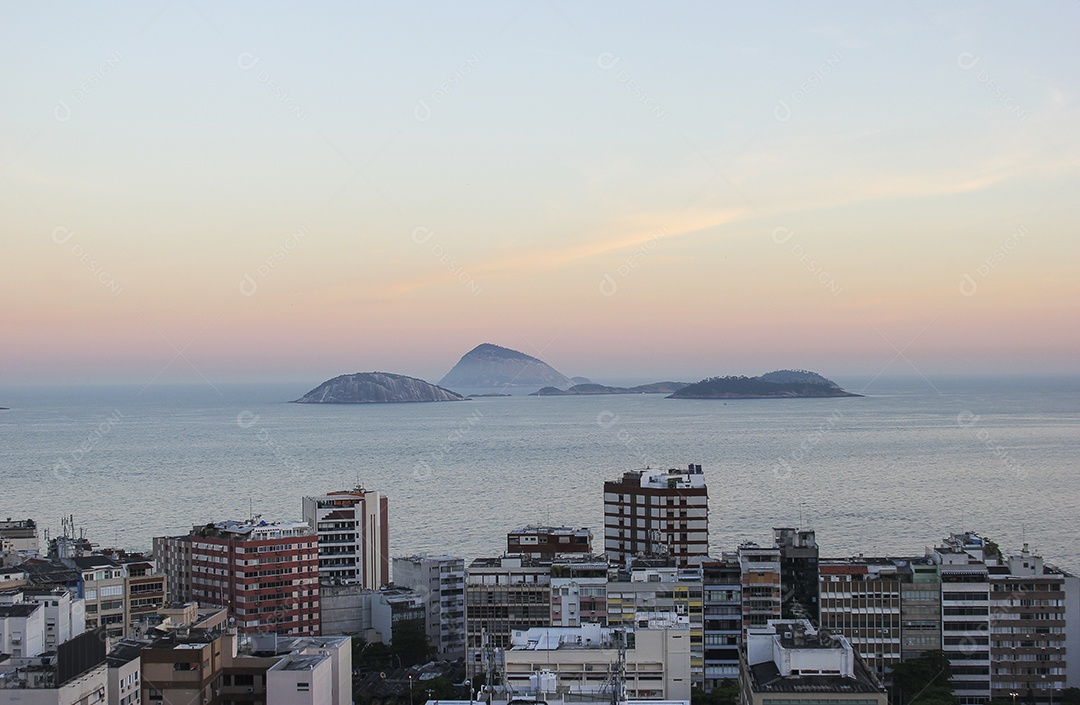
x,y
228,194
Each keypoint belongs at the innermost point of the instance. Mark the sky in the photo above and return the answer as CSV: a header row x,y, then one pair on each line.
x,y
248,192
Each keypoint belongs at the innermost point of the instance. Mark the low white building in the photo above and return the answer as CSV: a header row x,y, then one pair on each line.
x,y
76,674
22,629
789,662
65,615
301,679
336,649
585,661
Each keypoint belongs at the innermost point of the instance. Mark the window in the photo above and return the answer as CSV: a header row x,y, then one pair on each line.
x,y
303,687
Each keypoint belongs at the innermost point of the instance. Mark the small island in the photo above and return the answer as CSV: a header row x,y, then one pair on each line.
x,y
782,384
376,388
591,388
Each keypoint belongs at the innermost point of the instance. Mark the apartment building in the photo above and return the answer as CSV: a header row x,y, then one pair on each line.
x,y
654,595
861,599
762,596
723,624
657,513
579,591
501,595
264,573
354,536
798,573
440,583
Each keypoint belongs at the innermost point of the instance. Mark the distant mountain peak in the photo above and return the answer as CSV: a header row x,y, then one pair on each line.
x,y
498,352
490,365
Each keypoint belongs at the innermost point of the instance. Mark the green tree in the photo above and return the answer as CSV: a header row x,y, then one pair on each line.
x,y
411,642
371,656
924,680
727,693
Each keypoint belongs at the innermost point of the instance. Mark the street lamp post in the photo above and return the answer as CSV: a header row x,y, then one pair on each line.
x,y
410,689
1013,693
468,684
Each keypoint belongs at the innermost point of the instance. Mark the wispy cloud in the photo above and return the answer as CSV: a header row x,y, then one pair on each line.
x,y
625,236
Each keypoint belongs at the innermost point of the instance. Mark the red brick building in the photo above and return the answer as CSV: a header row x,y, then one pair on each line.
x,y
265,573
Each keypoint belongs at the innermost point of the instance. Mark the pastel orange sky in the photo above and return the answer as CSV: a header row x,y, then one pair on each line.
x,y
232,194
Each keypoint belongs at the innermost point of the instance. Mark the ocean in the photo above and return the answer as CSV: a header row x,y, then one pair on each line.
x,y
888,473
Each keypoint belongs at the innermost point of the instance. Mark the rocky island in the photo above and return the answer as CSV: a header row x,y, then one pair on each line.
x,y
782,384
376,387
590,388
489,365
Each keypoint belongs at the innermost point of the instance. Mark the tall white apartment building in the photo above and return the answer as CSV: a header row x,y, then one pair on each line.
x,y
354,536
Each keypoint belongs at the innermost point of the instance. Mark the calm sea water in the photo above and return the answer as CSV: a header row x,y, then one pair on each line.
x,y
889,473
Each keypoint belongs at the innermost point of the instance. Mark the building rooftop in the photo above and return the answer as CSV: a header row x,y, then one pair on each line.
x,y
270,644
510,561
790,656
43,572
254,529
185,638
18,528
672,478
538,529
23,609
90,562
125,651
418,558
299,662
587,636
765,678
43,591
357,491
